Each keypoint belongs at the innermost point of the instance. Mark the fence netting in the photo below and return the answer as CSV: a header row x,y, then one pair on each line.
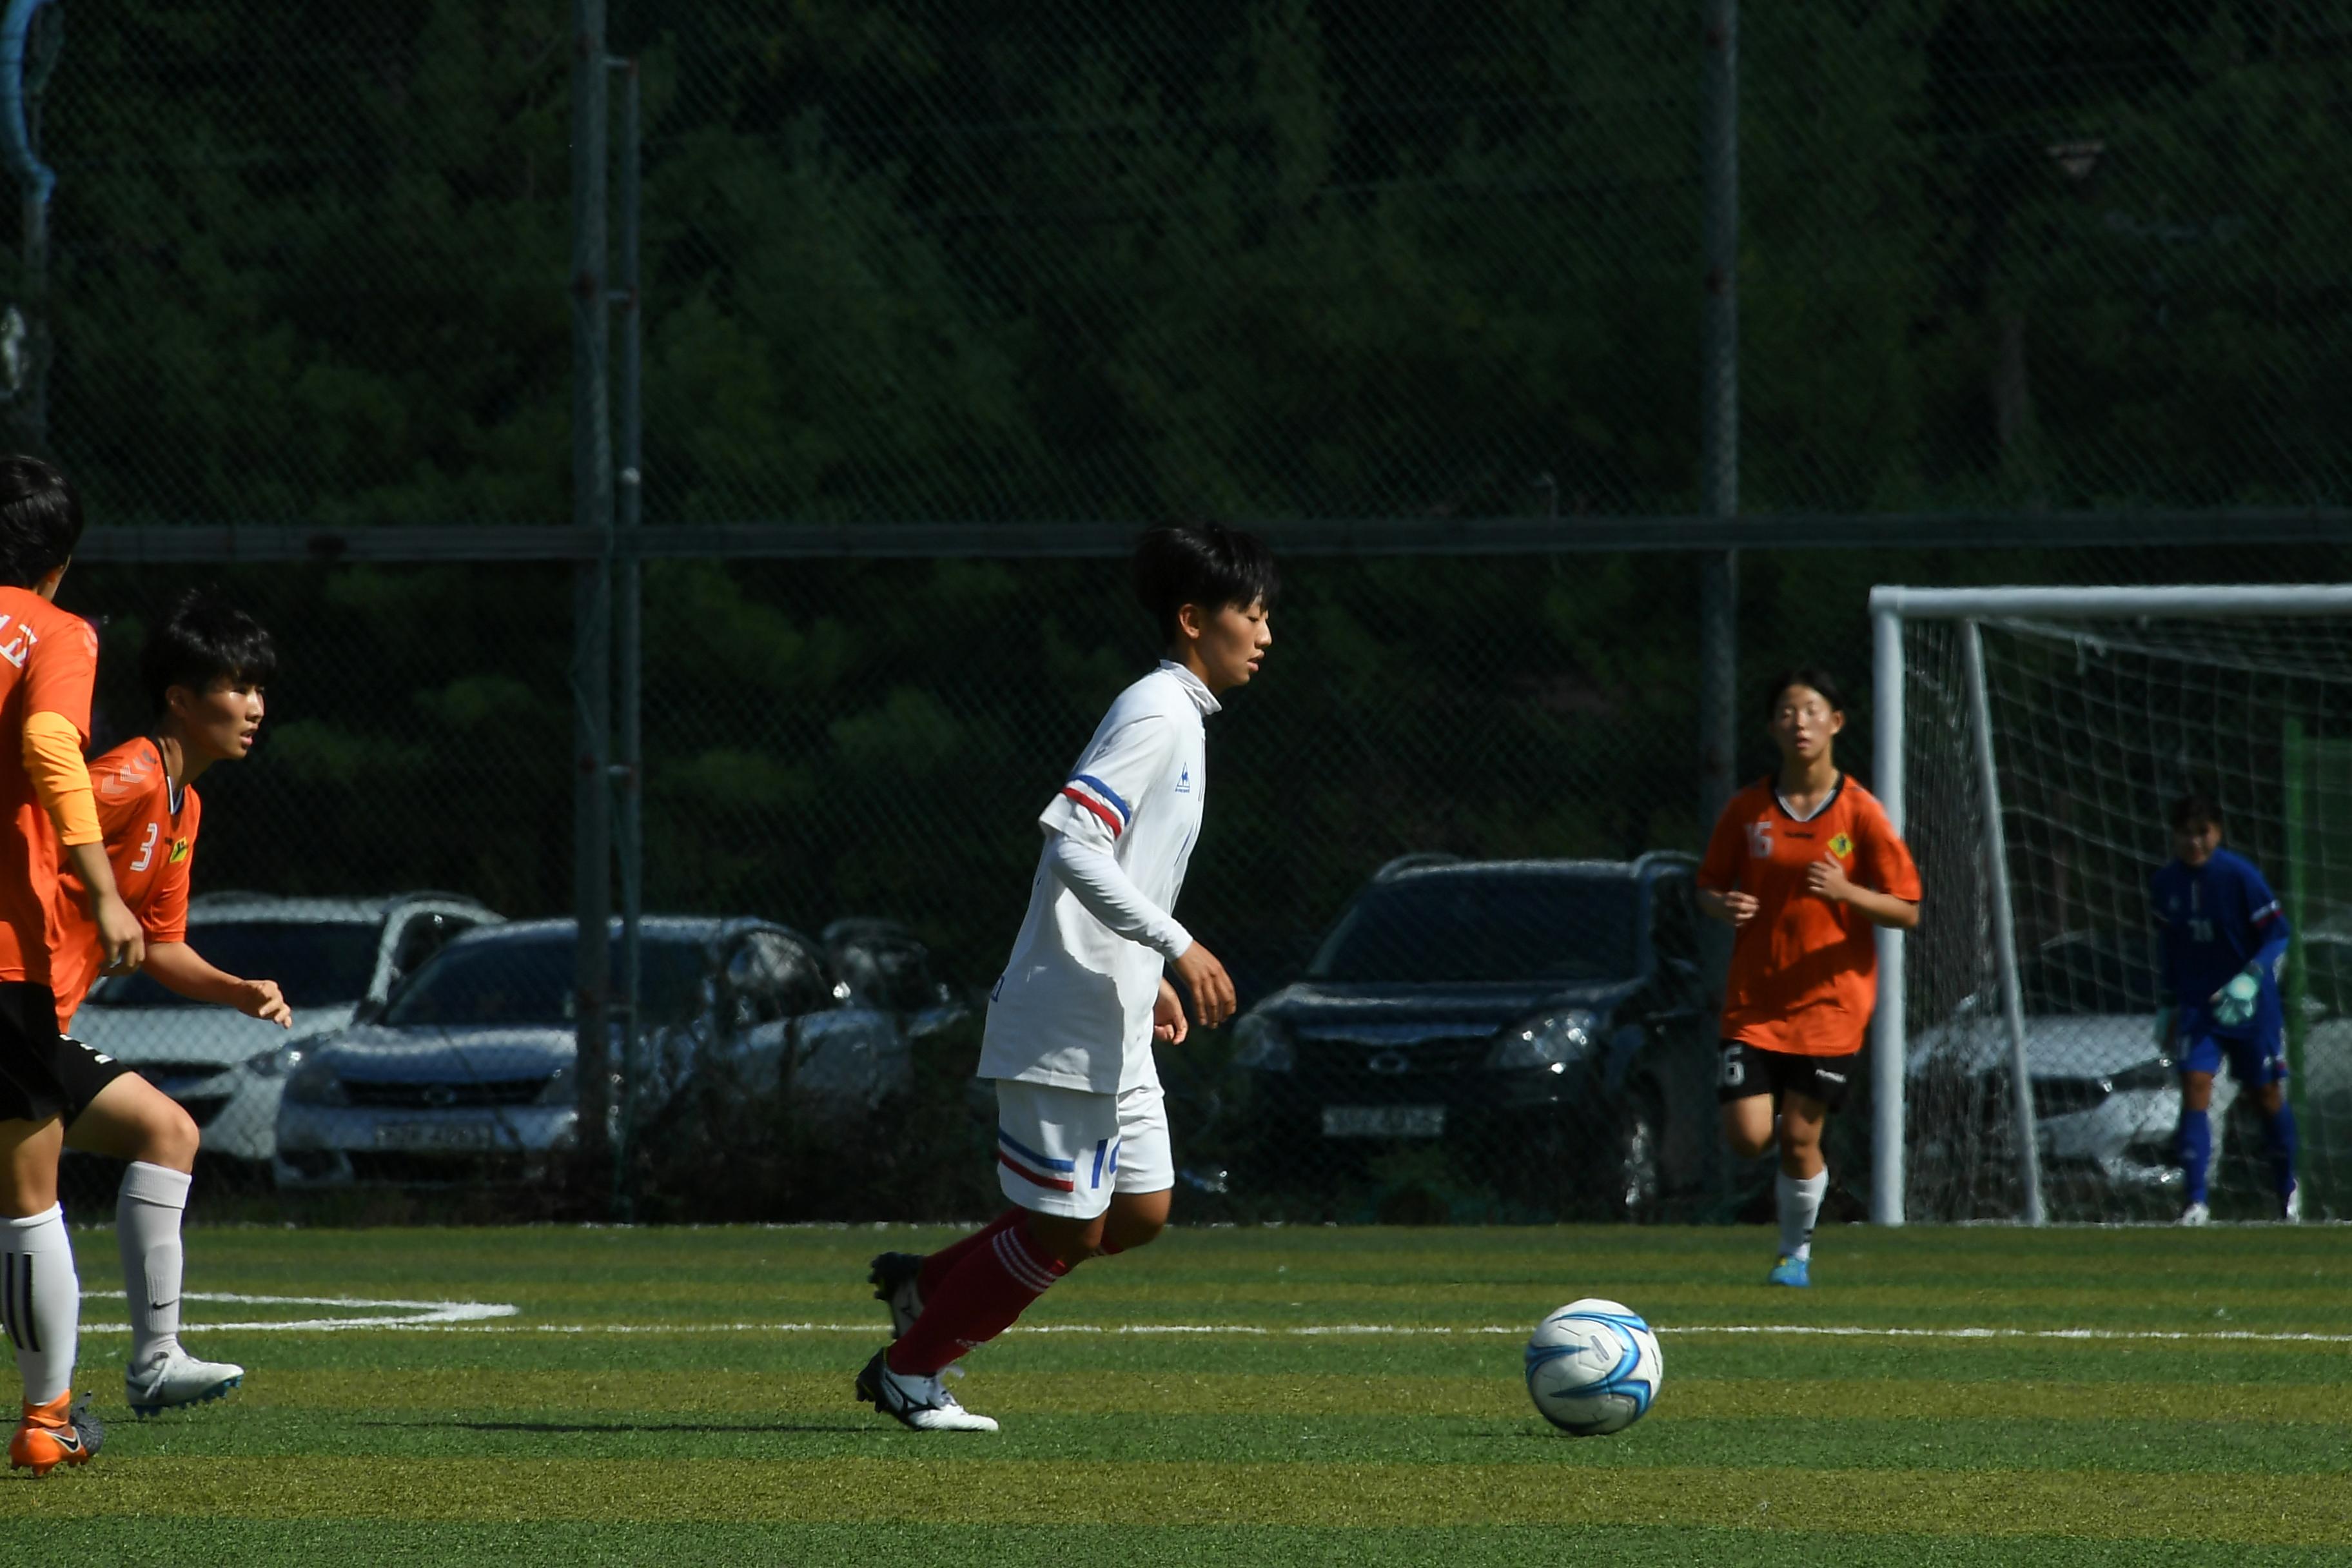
x,y
1257,260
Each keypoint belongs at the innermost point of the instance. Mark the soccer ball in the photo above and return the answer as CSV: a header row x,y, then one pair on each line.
x,y
1593,1368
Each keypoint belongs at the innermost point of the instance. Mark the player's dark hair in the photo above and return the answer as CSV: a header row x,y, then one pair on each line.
x,y
40,520
204,641
1203,564
1810,675
2194,810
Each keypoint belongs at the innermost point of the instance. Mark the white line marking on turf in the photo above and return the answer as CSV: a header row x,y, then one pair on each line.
x,y
1395,1329
410,1314
472,1317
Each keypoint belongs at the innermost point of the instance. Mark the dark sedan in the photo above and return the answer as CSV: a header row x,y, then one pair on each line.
x,y
1541,1024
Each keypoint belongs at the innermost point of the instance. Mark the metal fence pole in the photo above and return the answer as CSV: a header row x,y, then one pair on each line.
x,y
628,778
1718,591
35,35
592,651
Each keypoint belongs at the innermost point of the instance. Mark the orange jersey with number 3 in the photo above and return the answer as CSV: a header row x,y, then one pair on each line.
x,y
152,848
1804,971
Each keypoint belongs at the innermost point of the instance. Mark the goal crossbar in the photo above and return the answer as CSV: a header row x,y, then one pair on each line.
x,y
1890,606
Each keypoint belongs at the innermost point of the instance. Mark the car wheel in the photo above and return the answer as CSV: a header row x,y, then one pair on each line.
x,y
1634,1172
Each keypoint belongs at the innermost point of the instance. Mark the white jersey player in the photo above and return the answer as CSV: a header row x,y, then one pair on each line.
x,y
1082,1143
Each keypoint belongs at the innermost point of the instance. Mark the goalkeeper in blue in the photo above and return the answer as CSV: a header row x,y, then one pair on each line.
x,y
2225,941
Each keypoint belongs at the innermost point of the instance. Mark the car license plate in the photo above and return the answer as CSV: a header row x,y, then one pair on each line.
x,y
1383,1120
425,1137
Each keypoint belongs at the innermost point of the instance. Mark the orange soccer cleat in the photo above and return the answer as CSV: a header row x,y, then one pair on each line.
x,y
53,1435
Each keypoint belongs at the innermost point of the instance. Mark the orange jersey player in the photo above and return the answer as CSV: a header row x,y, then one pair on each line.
x,y
1803,865
48,660
205,669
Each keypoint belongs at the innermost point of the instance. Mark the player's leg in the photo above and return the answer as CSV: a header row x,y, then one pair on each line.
x,y
1803,1181
1143,1162
1743,1089
2260,1066
904,1280
1053,1161
40,1296
131,1120
2194,1141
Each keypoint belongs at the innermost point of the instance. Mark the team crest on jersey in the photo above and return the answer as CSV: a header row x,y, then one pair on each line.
x,y
179,850
1841,846
1184,781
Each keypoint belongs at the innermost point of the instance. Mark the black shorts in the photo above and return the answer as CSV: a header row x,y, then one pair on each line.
x,y
1748,1070
43,1073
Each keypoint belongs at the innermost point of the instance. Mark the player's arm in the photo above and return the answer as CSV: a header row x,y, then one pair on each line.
x,y
1718,882
1889,895
1104,889
182,970
2238,1000
1085,822
53,760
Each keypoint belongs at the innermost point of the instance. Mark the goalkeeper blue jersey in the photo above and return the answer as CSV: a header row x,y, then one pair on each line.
x,y
2214,921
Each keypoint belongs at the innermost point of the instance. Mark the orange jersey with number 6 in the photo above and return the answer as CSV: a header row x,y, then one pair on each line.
x,y
150,847
1804,971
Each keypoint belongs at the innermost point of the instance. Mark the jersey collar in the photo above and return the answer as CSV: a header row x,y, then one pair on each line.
x,y
1194,687
1828,800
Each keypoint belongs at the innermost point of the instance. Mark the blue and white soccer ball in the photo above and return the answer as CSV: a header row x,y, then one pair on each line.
x,y
1593,1367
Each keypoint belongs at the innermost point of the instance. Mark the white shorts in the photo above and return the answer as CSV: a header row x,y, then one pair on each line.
x,y
1065,1151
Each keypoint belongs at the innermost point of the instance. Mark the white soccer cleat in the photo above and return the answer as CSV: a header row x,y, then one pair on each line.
x,y
2195,1213
176,1378
923,1404
2292,1210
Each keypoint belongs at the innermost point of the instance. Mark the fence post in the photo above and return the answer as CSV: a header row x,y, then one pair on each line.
x,y
628,766
1718,589
592,648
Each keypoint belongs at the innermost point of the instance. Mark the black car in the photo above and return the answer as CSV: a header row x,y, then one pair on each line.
x,y
1540,1024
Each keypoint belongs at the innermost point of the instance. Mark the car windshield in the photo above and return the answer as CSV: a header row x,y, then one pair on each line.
x,y
1484,929
2089,979
528,982
317,963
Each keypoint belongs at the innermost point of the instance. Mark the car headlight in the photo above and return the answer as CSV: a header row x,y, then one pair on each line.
x,y
1555,1040
275,1062
1263,1045
562,1090
315,1083
2158,1074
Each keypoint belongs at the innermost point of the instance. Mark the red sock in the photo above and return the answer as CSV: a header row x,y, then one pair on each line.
x,y
940,1264
989,1288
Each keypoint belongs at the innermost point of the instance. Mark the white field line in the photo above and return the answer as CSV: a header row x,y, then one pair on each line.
x,y
404,1314
463,1317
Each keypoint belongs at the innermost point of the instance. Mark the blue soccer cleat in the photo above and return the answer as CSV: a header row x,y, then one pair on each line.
x,y
1794,1271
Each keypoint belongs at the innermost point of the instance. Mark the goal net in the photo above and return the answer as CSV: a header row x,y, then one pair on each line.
x,y
2043,735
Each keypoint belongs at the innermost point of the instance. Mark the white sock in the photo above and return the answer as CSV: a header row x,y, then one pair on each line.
x,y
1801,1206
40,1302
147,1227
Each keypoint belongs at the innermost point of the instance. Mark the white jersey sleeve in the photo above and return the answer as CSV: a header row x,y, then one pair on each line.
x,y
1097,804
1093,874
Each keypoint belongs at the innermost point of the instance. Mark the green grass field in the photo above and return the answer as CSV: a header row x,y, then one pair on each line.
x,y
2143,1397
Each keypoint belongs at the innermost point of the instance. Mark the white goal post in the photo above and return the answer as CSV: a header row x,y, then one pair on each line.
x,y
2113,699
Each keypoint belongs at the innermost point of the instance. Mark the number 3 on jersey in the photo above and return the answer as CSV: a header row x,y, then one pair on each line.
x,y
147,848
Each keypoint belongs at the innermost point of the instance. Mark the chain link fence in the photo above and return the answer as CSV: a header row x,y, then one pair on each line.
x,y
1282,263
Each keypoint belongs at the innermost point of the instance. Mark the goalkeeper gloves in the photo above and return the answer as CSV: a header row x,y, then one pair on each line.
x,y
2234,1003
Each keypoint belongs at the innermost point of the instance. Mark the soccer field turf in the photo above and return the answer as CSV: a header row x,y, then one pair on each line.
x,y
1234,1396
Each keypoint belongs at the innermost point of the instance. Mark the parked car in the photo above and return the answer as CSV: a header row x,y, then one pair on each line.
x,y
470,1068
331,957
2106,1097
1542,1021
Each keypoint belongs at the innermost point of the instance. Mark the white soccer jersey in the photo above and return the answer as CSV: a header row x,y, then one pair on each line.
x,y
1074,1006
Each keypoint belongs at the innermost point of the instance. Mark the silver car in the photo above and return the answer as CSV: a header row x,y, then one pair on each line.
x,y
470,1068
2107,1096
329,956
